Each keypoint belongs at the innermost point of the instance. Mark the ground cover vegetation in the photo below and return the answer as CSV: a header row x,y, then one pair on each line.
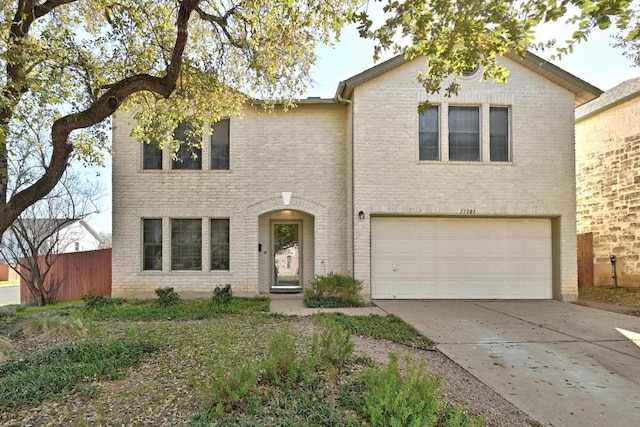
x,y
625,300
238,365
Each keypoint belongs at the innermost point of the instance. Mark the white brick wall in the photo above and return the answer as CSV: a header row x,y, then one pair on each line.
x,y
307,151
302,151
540,182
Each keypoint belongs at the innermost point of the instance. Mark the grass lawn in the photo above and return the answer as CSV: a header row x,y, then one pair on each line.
x,y
202,363
623,297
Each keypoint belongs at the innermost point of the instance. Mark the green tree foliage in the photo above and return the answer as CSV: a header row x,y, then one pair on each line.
x,y
68,65
457,36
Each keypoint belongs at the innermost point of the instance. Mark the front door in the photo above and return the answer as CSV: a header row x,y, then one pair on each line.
x,y
287,257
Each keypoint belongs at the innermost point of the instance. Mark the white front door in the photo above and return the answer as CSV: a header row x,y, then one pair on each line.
x,y
286,245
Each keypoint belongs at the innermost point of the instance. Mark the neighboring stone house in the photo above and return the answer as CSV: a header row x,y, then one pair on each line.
x,y
474,197
608,180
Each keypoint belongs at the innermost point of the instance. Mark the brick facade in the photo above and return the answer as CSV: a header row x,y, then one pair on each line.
x,y
342,157
539,182
608,185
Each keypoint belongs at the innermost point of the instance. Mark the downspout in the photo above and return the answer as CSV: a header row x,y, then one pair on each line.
x,y
352,209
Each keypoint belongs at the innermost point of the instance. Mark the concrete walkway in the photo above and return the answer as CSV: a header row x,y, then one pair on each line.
x,y
292,305
563,364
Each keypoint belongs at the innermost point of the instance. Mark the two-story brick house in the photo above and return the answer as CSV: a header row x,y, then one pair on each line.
x,y
471,197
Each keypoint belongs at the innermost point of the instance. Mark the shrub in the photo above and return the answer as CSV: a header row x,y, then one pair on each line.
x,y
334,290
167,297
232,382
397,401
91,300
283,367
335,344
222,296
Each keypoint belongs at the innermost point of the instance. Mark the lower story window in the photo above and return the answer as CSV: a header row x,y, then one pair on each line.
x,y
152,243
186,244
219,244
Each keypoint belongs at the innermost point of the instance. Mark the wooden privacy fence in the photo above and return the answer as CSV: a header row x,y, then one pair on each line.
x,y
80,272
585,260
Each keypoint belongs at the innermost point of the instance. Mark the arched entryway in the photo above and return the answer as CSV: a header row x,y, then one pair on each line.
x,y
287,250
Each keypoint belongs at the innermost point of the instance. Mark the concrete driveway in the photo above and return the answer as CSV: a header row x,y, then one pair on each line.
x,y
9,294
563,364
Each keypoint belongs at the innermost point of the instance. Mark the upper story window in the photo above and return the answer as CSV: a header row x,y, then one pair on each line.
x,y
186,244
151,156
220,145
466,138
464,133
499,134
152,244
189,155
429,145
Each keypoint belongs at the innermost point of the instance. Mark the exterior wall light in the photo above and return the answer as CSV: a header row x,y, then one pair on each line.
x,y
361,214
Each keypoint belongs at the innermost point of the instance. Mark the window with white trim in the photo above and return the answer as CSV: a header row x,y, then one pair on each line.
x,y
151,156
499,134
189,155
186,244
464,133
429,131
219,244
220,145
152,244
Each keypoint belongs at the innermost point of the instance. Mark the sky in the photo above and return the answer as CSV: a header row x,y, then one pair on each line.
x,y
594,61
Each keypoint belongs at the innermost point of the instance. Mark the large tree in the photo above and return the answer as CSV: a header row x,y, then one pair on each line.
x,y
458,35
70,64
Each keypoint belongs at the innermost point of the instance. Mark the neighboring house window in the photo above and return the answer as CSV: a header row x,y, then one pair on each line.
x,y
429,145
219,244
76,246
189,155
186,244
151,156
464,133
152,243
499,131
220,145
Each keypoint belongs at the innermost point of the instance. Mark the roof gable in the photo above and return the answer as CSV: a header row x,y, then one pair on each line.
x,y
625,91
583,91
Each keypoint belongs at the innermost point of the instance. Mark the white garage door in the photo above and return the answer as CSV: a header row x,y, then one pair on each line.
x,y
461,258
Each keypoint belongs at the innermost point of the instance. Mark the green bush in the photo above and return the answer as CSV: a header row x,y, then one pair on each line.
x,y
233,380
91,300
334,290
167,297
222,296
393,400
335,345
283,366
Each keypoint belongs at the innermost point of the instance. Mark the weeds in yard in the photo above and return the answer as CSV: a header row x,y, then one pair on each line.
x,y
61,370
6,349
167,297
52,325
92,300
390,328
222,296
334,343
186,310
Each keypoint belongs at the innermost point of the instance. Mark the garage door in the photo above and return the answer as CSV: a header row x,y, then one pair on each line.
x,y
461,258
